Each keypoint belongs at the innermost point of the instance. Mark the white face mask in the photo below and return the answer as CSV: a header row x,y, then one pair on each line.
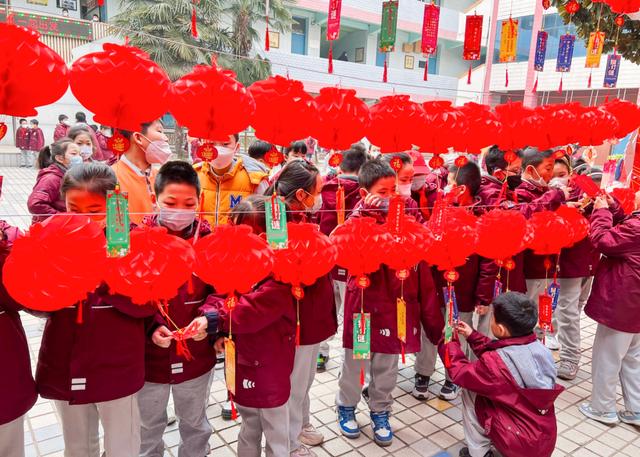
x,y
559,182
317,204
539,181
404,190
418,183
86,151
176,220
74,161
224,159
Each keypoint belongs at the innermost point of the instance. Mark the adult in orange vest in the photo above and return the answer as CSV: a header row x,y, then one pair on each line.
x,y
134,171
227,179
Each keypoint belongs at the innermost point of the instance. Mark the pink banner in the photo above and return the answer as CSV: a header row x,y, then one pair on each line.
x,y
333,20
430,29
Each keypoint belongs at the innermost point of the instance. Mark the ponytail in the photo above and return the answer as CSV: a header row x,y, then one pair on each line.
x,y
48,154
296,174
44,158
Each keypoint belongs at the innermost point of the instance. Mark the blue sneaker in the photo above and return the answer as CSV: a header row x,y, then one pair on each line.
x,y
605,418
629,417
382,433
347,422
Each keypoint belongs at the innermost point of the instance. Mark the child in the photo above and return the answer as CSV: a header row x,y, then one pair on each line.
x,y
509,392
405,174
84,138
264,327
377,184
53,162
227,179
17,388
22,143
36,141
296,150
93,370
62,127
300,185
614,304
177,192
256,154
347,179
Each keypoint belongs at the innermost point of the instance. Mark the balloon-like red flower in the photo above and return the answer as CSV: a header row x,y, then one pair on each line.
x,y
444,123
483,127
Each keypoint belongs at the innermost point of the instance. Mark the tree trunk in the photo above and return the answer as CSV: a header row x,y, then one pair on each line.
x,y
180,142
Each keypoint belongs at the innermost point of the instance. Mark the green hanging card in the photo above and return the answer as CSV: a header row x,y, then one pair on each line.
x,y
276,219
389,25
361,337
118,242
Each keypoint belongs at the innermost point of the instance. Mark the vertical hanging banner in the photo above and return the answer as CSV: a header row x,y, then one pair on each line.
x,y
594,49
508,40
430,25
472,41
333,27
388,29
611,71
565,53
541,50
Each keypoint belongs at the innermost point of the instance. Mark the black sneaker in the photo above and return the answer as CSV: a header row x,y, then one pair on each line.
x,y
449,391
464,452
365,394
421,387
227,413
322,363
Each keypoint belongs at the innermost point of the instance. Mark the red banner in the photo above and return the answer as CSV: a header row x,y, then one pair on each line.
x,y
430,29
473,38
333,20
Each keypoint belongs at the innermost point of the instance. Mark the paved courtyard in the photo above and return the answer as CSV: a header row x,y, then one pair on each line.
x,y
422,428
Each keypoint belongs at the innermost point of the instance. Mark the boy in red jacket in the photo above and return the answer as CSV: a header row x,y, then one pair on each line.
x,y
177,191
509,391
36,142
378,183
22,143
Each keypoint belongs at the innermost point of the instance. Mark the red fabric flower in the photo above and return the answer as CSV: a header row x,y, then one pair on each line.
x,y
444,123
579,225
595,126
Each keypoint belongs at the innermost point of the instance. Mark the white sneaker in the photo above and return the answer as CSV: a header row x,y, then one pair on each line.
x,y
551,342
171,415
310,436
302,451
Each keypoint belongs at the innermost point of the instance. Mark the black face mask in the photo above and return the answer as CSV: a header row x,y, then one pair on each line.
x,y
514,181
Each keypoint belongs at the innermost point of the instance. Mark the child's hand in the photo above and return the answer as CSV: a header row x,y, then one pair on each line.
x,y
162,337
219,345
464,329
601,202
481,310
372,200
200,325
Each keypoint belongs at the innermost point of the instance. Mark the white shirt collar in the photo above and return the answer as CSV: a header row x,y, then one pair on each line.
x,y
135,169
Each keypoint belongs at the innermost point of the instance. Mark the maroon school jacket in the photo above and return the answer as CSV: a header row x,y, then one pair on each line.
x,y
22,138
615,296
264,330
328,215
45,197
520,422
164,365
534,198
103,144
380,300
318,317
36,139
465,286
99,360
17,388
60,131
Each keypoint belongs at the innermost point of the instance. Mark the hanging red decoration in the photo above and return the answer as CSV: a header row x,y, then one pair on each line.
x,y
342,118
284,111
551,233
157,266
572,7
138,88
472,41
624,6
274,157
32,73
521,126
57,263
619,21
546,4
394,121
455,237
595,125
501,234
626,197
333,27
444,123
232,259
559,122
118,143
194,24
211,103
483,127
626,113
407,247
579,225
436,162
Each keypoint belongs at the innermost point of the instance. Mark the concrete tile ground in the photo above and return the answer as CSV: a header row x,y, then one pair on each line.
x,y
422,428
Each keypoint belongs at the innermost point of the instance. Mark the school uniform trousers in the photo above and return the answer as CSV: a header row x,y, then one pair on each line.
x,y
477,442
339,289
12,438
302,376
272,422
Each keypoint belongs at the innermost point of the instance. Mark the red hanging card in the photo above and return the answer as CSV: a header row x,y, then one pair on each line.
x,y
333,20
473,37
430,25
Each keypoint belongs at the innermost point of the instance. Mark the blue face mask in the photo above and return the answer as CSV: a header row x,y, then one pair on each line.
x,y
74,161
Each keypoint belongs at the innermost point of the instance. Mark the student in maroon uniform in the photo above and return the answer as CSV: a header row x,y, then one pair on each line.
x,y
93,370
36,141
17,388
62,127
378,183
264,328
22,143
177,192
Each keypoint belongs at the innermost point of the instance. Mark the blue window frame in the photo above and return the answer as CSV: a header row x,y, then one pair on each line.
x,y
299,35
525,33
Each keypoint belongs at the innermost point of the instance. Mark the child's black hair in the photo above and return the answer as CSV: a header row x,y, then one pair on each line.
x,y
94,177
373,171
353,160
35,122
296,174
81,117
79,130
22,120
406,158
144,128
250,211
494,160
468,175
62,117
296,146
48,154
259,149
534,157
176,172
516,312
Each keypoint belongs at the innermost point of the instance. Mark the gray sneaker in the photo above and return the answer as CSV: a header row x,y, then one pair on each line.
x,y
567,370
605,418
629,417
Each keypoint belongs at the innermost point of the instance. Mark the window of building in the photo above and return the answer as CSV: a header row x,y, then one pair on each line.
x,y
433,64
554,25
299,35
525,33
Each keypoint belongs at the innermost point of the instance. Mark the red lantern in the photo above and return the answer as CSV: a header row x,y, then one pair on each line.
x,y
551,233
626,113
624,6
361,245
595,125
118,143
342,118
501,234
232,259
394,122
521,126
579,225
32,73
546,4
619,20
308,256
455,237
626,197
284,111
157,266
121,85
483,127
57,263
436,162
559,122
407,247
335,160
444,123
211,103
274,157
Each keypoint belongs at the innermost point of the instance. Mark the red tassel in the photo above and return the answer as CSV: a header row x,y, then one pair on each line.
x,y
506,77
560,86
362,373
402,353
79,317
606,99
447,359
182,350
298,334
234,412
266,37
194,28
589,81
331,56
426,69
384,74
469,74
535,86
190,289
126,40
